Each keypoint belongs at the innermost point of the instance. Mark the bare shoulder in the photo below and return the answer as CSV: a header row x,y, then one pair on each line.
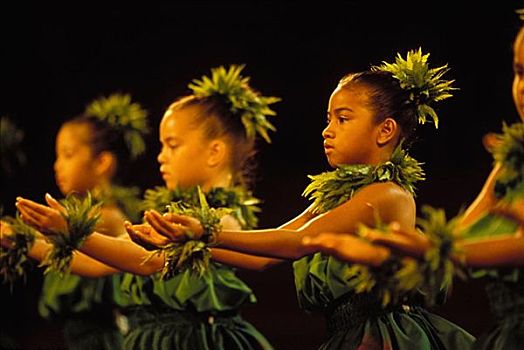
x,y
111,221
229,222
387,192
392,202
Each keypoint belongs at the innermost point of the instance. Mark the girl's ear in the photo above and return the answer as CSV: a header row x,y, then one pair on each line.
x,y
387,131
216,153
106,164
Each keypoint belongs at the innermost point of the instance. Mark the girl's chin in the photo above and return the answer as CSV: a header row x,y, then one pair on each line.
x,y
332,163
64,190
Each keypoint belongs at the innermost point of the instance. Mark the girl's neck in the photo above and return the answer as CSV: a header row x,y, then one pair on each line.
x,y
101,188
222,179
382,155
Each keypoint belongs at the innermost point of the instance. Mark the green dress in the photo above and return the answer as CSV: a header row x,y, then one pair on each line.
x,y
505,292
191,312
86,307
505,286
358,321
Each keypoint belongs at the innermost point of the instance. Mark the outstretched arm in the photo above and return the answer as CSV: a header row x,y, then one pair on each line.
x,y
148,238
500,251
385,199
119,253
484,201
505,251
81,264
348,248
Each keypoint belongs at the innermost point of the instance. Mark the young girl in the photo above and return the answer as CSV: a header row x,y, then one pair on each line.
x,y
369,113
91,150
490,234
207,138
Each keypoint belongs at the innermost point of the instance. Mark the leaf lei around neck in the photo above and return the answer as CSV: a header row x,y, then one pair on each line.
x,y
510,152
127,199
330,189
238,199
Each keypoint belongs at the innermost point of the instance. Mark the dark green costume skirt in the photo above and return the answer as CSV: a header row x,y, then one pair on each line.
x,y
152,328
84,307
507,305
358,322
95,329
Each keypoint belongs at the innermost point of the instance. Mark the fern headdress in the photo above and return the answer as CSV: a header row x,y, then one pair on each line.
x,y
424,85
249,105
122,114
520,13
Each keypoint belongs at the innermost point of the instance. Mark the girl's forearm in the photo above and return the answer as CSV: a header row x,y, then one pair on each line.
x,y
271,243
243,261
81,264
121,254
499,252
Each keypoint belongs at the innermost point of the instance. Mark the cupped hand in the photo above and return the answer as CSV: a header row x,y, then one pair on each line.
x,y
347,247
145,236
46,219
407,241
175,227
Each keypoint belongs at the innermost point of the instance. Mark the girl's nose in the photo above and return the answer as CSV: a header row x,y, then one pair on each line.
x,y
327,133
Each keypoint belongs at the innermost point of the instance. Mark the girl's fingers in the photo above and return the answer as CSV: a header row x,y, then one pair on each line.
x,y
41,209
53,203
162,226
28,213
176,218
29,220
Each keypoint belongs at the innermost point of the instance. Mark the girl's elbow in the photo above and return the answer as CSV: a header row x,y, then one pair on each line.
x,y
266,264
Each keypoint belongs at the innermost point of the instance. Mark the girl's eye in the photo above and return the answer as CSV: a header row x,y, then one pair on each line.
x,y
519,70
342,119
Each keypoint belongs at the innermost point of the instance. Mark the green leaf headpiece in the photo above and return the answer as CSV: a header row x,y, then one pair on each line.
x,y
249,105
520,13
423,84
122,114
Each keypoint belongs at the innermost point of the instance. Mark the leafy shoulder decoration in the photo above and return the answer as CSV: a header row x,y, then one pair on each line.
x,y
330,189
81,215
424,85
238,199
249,105
122,114
509,150
128,199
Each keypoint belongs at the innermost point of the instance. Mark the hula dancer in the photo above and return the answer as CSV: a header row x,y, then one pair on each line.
x,y
91,151
207,140
489,236
371,116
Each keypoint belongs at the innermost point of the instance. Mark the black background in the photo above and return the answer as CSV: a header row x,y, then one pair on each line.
x,y
57,59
